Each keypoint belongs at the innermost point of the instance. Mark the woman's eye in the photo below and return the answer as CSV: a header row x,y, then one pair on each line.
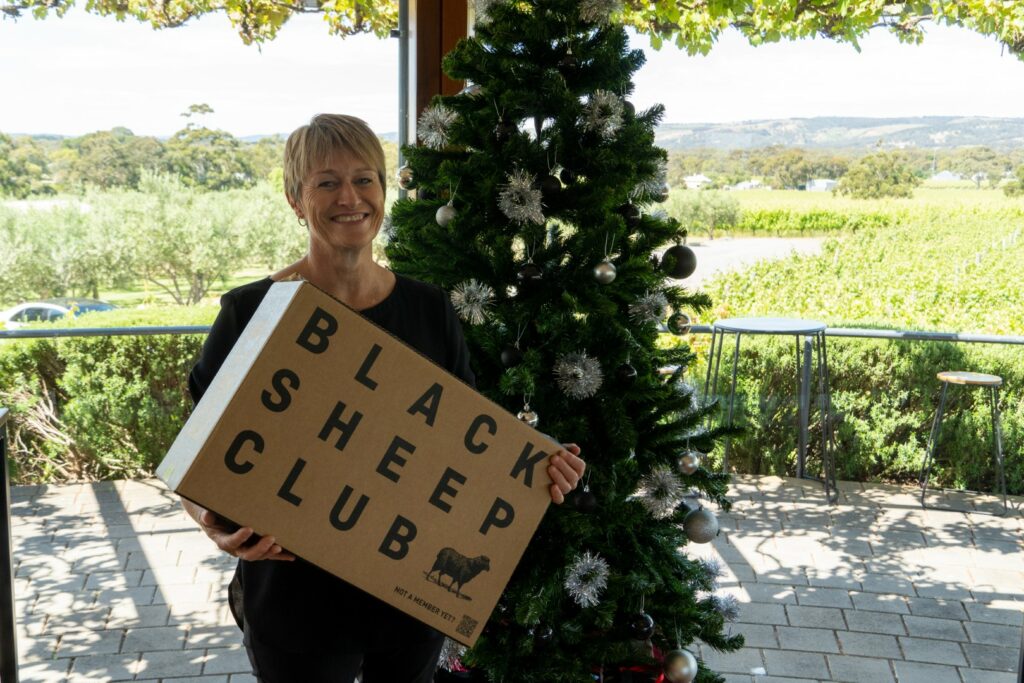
x,y
327,184
365,181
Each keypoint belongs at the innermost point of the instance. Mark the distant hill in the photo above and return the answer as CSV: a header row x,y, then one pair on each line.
x,y
835,132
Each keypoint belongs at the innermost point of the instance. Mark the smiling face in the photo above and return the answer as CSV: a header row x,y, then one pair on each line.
x,y
342,199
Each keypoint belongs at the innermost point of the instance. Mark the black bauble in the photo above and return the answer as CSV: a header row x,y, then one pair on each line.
x,y
503,130
679,262
585,501
549,186
543,634
530,274
641,626
568,177
629,108
511,356
626,374
631,213
569,62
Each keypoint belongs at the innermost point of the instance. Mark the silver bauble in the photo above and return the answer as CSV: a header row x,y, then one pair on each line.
x,y
406,180
604,272
680,666
701,526
529,417
471,90
445,214
689,462
679,323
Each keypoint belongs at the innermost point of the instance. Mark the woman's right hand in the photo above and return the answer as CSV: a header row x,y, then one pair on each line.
x,y
235,543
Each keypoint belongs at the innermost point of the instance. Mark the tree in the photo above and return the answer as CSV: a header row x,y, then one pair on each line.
x,y
106,159
1015,187
881,174
694,27
561,302
207,158
705,211
979,164
23,168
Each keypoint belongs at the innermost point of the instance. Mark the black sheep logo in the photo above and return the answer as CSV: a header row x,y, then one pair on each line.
x,y
462,569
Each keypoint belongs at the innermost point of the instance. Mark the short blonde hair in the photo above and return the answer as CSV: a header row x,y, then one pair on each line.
x,y
324,135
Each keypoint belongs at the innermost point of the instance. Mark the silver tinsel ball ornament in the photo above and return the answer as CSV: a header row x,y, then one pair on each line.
x,y
726,605
435,126
649,308
602,114
520,199
689,462
451,655
445,214
701,525
471,89
660,492
406,178
605,272
471,300
586,579
578,375
680,666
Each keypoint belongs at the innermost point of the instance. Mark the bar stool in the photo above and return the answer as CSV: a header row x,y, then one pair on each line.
x,y
973,379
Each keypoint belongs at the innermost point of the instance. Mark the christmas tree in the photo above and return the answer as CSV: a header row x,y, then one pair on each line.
x,y
535,204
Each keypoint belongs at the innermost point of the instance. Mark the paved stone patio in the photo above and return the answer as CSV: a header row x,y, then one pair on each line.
x,y
114,583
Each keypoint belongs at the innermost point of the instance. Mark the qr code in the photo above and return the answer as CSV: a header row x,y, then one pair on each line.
x,y
466,626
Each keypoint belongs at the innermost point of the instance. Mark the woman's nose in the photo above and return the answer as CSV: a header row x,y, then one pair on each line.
x,y
347,194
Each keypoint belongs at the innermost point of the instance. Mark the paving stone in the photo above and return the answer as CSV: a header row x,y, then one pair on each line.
x,y
242,678
992,634
823,597
155,638
877,602
227,661
231,636
763,613
930,650
756,635
929,627
84,643
1002,612
770,593
887,583
991,657
742,661
916,672
103,668
807,639
869,644
874,622
981,676
796,664
139,616
932,607
859,669
816,617
43,672
170,664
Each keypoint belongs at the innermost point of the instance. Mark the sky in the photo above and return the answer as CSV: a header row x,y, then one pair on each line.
x,y
85,73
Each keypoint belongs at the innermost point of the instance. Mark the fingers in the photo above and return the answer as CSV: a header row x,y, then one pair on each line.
x,y
235,543
565,470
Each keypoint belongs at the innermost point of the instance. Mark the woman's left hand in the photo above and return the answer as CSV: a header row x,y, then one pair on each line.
x,y
565,469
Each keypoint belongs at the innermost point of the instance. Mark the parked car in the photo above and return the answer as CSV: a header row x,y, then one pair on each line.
x,y
49,310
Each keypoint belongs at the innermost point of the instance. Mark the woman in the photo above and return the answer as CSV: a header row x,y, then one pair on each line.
x,y
301,624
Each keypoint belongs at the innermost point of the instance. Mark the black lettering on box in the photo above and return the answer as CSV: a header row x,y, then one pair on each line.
x,y
526,463
345,524
285,492
315,336
363,374
392,456
428,403
396,543
501,515
231,457
346,428
282,380
444,488
480,421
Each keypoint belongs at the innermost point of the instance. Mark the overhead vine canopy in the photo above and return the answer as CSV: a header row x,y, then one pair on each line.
x,y
693,26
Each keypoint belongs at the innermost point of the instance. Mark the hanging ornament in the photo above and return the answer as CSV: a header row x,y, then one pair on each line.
x,y
445,213
568,177
625,374
451,655
471,89
471,299
585,501
689,462
542,633
604,272
528,416
520,200
598,11
700,525
435,125
579,376
568,63
679,323
628,108
511,356
680,666
586,579
530,274
406,179
640,626
661,194
630,213
503,130
648,309
679,262
727,605
549,186
602,114
660,492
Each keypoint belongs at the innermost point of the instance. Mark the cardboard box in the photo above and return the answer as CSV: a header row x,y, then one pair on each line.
x,y
342,442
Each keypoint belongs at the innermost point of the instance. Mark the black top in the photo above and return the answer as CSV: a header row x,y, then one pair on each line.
x,y
294,605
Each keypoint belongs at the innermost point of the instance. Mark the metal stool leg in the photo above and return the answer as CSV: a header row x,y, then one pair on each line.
x,y
732,401
803,373
997,442
828,463
711,358
933,441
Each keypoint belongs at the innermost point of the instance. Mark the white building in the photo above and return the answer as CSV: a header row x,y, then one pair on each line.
x,y
821,185
696,182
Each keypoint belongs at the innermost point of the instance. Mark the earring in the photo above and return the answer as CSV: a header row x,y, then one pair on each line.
x,y
302,221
